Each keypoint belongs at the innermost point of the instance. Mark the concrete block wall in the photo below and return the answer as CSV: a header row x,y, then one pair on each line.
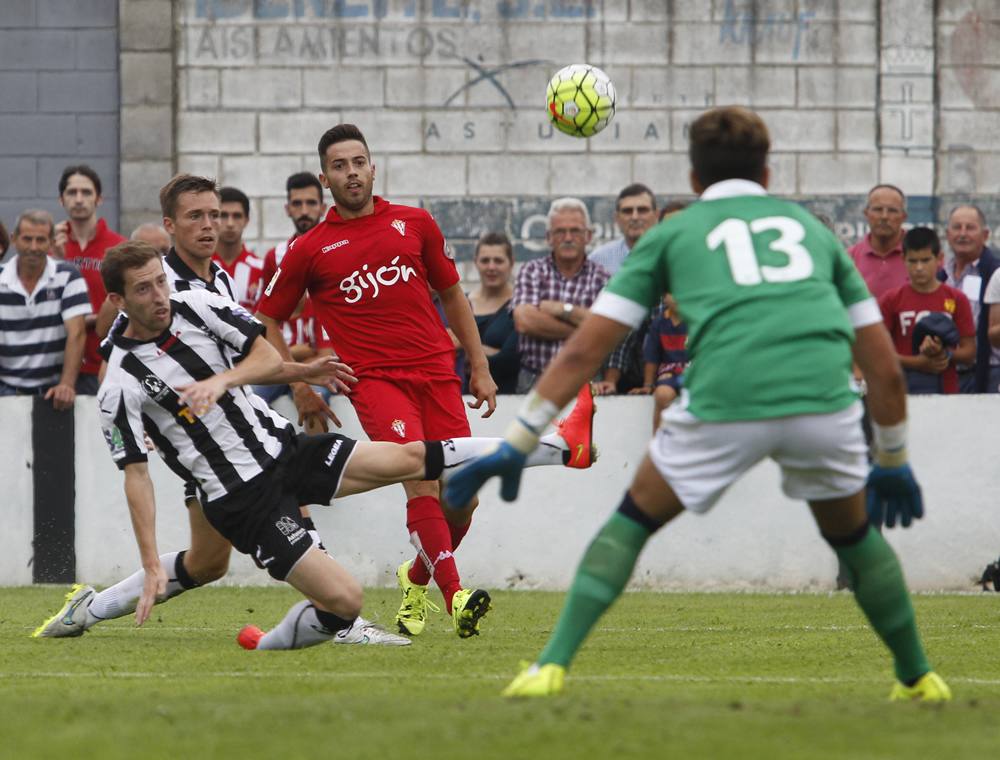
x,y
58,100
451,96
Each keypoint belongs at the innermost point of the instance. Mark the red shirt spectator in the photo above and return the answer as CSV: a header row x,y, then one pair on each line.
x,y
903,307
880,273
88,261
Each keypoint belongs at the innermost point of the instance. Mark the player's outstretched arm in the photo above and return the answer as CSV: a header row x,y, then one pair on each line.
x,y
142,508
574,365
893,492
261,365
310,405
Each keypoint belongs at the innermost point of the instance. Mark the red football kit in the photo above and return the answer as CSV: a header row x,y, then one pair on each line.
x,y
369,280
903,307
88,261
247,272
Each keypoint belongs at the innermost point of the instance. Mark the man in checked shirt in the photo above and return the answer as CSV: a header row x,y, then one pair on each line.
x,y
552,295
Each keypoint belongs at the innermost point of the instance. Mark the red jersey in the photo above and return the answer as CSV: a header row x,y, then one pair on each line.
x,y
903,307
369,280
247,272
88,261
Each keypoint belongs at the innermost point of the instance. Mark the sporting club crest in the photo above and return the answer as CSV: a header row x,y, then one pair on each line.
x,y
400,226
399,428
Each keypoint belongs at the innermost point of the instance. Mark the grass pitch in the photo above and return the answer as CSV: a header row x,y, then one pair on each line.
x,y
666,675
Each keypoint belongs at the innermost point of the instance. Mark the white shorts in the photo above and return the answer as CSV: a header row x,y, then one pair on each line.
x,y
822,456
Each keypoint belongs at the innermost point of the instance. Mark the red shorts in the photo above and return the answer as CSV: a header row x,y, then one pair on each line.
x,y
410,408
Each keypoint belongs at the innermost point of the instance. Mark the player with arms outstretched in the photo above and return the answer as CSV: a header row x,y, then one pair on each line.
x,y
782,390
369,267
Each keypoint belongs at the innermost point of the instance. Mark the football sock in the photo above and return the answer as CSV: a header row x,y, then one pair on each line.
x,y
552,450
458,533
430,535
122,598
881,593
600,579
303,626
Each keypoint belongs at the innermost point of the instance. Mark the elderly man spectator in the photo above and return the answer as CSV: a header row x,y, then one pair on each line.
x,y
153,234
552,295
83,240
969,269
879,254
43,303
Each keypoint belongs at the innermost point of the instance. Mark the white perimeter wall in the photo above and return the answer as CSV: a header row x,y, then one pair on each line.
x,y
755,537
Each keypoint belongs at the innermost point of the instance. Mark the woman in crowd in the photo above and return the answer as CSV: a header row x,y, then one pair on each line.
x,y
494,260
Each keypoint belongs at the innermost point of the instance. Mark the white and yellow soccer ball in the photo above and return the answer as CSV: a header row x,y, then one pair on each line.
x,y
581,100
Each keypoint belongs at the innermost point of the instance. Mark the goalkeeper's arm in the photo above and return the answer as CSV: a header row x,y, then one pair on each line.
x,y
886,395
577,362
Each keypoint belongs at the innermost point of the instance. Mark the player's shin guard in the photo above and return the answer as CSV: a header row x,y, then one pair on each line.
x,y
454,452
881,593
430,534
122,598
600,579
303,626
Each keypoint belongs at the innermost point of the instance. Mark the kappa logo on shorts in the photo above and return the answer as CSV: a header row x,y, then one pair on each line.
x,y
290,529
399,428
400,226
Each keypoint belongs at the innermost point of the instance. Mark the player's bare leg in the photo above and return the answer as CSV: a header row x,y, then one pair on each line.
x,y
333,602
601,577
880,591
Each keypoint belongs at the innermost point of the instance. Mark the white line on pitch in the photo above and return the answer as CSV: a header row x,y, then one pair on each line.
x,y
335,674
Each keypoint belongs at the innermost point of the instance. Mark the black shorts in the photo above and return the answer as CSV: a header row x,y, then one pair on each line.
x,y
263,519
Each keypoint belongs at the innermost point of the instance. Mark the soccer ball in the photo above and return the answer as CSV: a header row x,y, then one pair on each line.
x,y
580,100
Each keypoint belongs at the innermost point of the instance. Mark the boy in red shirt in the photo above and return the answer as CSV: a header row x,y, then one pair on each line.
x,y
932,368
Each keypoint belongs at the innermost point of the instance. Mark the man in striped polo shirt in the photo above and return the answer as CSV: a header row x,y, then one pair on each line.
x,y
43,303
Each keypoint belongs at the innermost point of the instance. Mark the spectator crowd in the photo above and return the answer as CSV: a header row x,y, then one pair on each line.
x,y
940,299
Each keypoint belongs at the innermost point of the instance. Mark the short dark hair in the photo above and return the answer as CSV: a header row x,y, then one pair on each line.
x,y
636,188
495,238
671,207
83,169
130,254
920,239
728,143
235,195
4,239
183,183
340,133
301,180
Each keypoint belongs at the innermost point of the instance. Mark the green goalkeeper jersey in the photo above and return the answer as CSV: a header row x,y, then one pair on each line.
x,y
770,297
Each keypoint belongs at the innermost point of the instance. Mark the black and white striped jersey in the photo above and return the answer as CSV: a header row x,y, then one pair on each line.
x,y
181,277
234,441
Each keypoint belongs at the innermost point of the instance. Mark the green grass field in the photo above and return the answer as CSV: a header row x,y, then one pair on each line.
x,y
667,675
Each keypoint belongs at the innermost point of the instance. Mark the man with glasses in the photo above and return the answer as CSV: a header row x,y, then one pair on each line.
x,y
635,212
552,295
879,254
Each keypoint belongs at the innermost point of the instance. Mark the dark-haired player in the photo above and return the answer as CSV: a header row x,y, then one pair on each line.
x,y
740,257
369,267
179,372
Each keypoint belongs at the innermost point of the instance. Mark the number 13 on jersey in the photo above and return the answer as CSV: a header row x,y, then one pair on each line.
x,y
737,237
